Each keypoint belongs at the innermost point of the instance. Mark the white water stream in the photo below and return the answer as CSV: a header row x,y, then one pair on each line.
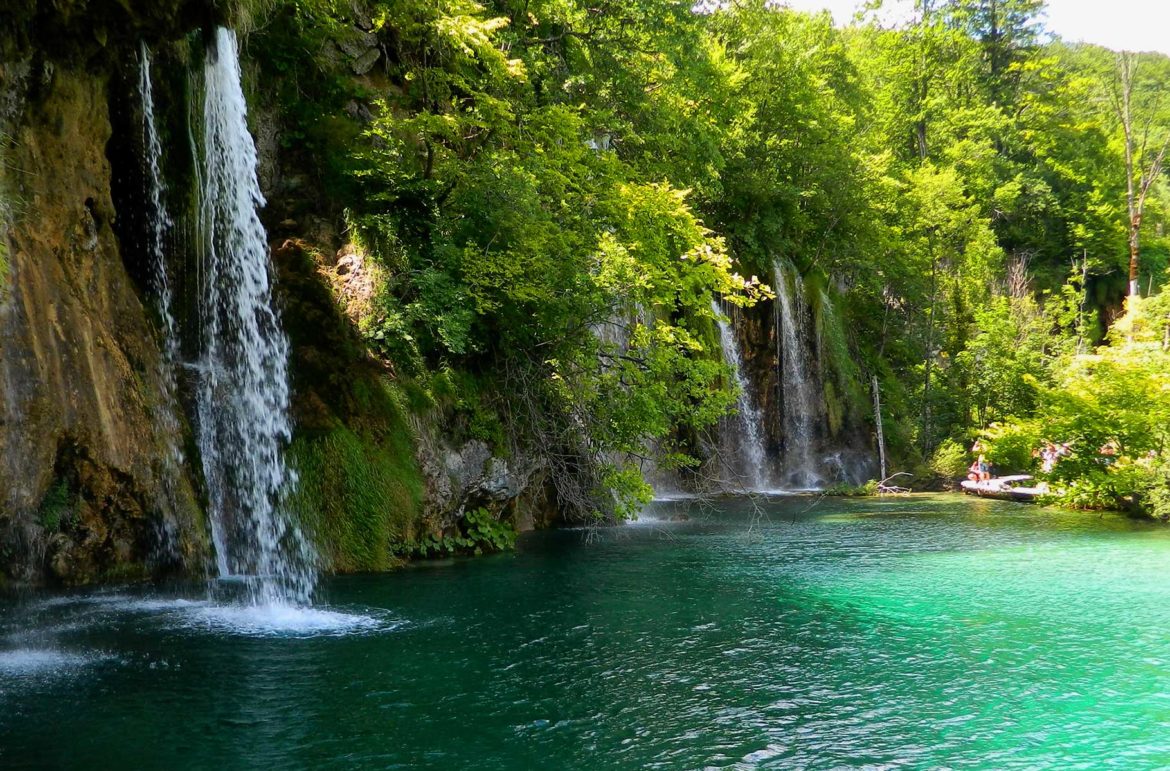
x,y
749,462
799,390
161,225
160,220
242,400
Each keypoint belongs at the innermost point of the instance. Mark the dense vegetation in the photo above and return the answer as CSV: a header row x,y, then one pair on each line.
x,y
553,192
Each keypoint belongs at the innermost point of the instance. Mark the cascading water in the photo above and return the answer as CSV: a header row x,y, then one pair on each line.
x,y
242,399
747,441
799,392
160,226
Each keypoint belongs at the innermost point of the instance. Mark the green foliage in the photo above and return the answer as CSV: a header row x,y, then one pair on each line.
x,y
553,192
846,490
1009,446
1098,489
360,488
949,460
488,533
1155,491
481,533
56,507
1117,398
1005,360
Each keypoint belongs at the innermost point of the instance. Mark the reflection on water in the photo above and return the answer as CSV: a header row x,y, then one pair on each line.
x,y
774,633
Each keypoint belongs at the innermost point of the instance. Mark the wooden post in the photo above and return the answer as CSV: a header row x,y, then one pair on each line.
x,y
877,415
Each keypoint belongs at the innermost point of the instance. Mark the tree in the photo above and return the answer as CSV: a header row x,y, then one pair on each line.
x,y
1008,31
942,225
1145,124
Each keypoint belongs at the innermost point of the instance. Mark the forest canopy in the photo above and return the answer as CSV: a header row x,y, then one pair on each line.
x,y
554,192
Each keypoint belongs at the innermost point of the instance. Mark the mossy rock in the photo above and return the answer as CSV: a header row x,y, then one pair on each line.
x,y
357,495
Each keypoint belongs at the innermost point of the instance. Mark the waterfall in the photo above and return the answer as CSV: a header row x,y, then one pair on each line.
x,y
747,441
160,226
242,400
799,390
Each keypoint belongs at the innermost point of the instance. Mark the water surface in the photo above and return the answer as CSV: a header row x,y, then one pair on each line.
x,y
912,633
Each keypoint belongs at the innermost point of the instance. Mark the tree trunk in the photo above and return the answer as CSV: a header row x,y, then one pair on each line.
x,y
1138,177
1135,228
877,416
926,444
1125,71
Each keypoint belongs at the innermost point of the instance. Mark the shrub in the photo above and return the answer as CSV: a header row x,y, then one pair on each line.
x,y
56,507
950,460
1010,446
1156,491
846,490
480,533
357,493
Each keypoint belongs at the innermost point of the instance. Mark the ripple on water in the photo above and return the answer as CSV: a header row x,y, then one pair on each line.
x,y
869,634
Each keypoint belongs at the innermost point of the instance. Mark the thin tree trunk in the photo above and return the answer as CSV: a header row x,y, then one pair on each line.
x,y
1138,178
929,359
1126,68
922,84
1084,302
877,416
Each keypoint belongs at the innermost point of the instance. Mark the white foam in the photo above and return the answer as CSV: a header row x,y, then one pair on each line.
x,y
156,605
278,620
81,599
34,661
264,620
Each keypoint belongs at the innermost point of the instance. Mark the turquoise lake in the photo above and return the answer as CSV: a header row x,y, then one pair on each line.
x,y
920,632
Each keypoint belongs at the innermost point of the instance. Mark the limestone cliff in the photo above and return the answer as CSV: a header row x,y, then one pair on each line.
x,y
98,474
90,483
80,450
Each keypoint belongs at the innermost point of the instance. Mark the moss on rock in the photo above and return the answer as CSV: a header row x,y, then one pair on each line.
x,y
360,486
358,494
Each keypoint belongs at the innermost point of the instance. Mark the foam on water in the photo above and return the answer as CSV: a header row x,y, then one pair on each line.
x,y
675,497
279,620
265,620
79,599
156,605
39,661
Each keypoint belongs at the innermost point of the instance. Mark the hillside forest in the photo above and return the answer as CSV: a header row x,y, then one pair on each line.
x,y
979,208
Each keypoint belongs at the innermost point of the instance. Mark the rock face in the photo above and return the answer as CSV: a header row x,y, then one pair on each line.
x,y
80,461
460,479
325,294
89,485
842,446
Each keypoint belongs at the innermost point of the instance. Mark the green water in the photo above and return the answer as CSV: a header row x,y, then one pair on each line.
x,y
917,633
